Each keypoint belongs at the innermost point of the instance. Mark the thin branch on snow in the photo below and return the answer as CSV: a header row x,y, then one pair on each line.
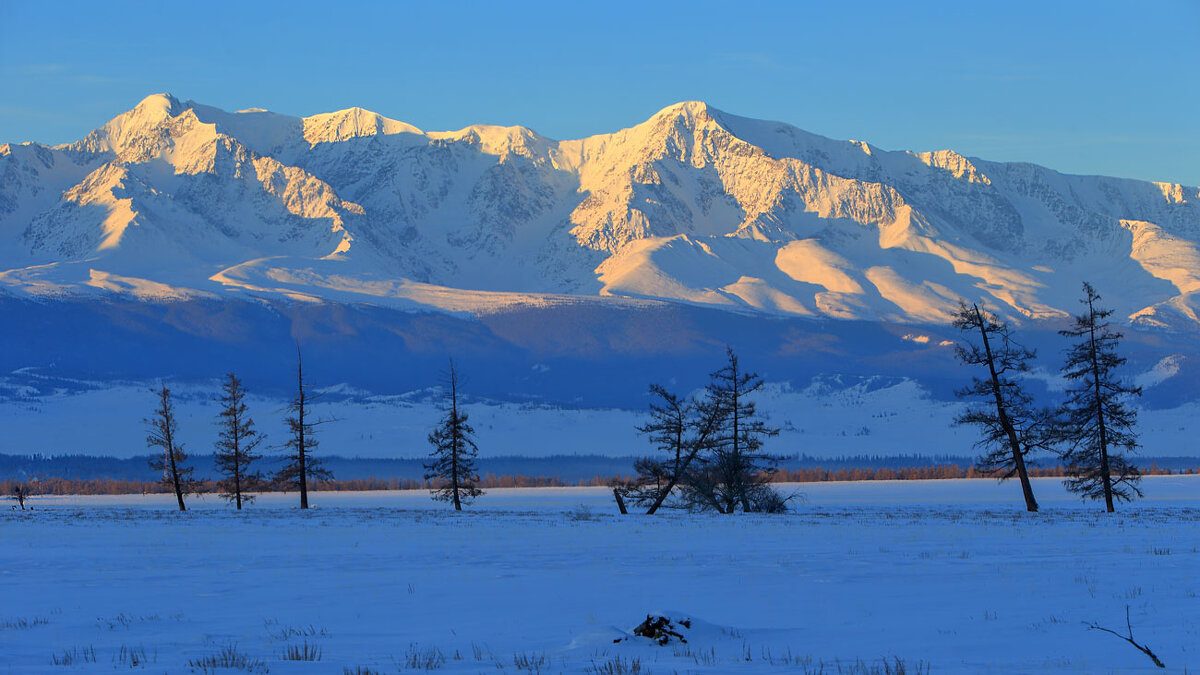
x,y
1129,627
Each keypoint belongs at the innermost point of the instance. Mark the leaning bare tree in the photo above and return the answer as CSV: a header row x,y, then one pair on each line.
x,y
164,436
300,466
236,445
1010,426
683,429
1096,420
732,470
668,429
452,461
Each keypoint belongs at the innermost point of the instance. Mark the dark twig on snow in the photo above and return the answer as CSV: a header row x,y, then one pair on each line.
x,y
1129,638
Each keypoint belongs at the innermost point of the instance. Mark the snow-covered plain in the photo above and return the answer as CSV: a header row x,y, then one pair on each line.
x,y
952,574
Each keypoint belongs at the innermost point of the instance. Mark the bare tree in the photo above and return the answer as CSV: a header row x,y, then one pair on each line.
x,y
20,494
1095,417
452,461
301,466
163,435
1010,426
236,445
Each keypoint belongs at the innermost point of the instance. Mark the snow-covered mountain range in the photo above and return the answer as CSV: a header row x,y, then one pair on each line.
x,y
181,200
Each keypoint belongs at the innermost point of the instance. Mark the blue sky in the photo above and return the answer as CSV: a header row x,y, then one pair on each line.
x,y
1083,87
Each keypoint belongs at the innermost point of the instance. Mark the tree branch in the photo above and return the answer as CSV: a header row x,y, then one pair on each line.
x,y
1129,638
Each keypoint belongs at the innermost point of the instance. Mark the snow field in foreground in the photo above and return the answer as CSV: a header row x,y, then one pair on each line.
x,y
951,573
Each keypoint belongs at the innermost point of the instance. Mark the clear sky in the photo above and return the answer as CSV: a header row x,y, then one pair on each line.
x,y
1084,87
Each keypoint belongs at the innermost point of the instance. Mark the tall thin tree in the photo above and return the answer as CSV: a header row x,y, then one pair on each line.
x,y
1096,418
300,466
452,460
735,471
236,445
164,436
1010,426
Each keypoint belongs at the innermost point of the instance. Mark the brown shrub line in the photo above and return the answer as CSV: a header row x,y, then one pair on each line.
x,y
108,486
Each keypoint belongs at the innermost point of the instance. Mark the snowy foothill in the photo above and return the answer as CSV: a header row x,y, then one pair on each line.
x,y
890,420
952,576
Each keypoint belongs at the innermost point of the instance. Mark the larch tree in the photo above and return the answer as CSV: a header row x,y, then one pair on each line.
x,y
1010,426
733,471
171,457
1096,419
236,445
300,466
682,429
667,429
452,461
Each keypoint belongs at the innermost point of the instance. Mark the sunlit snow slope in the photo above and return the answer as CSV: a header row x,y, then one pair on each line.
x,y
176,200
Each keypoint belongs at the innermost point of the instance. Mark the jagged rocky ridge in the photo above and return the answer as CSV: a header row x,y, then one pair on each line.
x,y
177,199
